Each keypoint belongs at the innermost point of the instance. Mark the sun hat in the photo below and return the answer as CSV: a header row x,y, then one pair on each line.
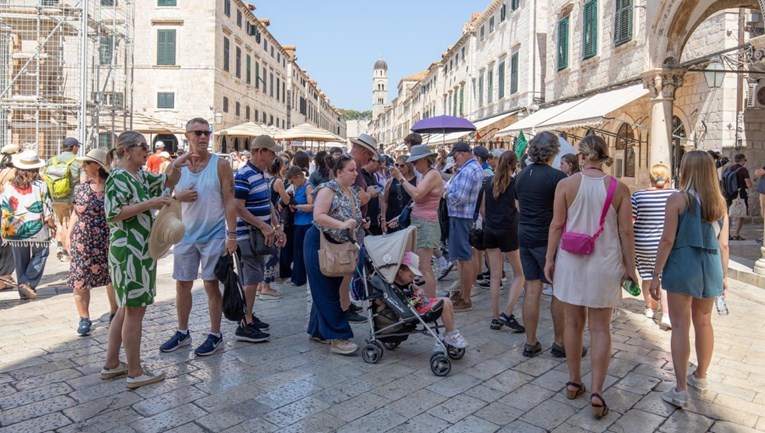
x,y
412,261
449,163
266,142
95,155
420,151
10,149
366,141
27,160
167,231
460,147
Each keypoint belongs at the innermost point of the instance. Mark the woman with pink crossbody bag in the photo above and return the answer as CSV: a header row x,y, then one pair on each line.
x,y
592,225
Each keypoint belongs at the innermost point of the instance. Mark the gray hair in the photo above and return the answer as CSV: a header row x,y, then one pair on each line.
x,y
543,147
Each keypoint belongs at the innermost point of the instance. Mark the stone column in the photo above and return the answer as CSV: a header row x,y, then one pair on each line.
x,y
758,44
662,84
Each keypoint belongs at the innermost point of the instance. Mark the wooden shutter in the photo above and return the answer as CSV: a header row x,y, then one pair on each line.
x,y
563,43
623,22
590,33
501,81
514,73
166,47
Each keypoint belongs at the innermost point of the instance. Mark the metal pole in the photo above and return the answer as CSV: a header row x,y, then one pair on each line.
x,y
82,135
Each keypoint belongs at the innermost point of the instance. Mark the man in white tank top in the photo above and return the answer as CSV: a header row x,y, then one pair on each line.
x,y
206,192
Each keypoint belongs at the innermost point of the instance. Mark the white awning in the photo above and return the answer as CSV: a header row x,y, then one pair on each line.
x,y
579,112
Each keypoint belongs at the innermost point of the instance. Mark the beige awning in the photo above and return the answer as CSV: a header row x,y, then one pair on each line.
x,y
142,123
308,132
249,129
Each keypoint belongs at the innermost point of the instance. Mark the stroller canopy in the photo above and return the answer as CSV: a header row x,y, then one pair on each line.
x,y
386,251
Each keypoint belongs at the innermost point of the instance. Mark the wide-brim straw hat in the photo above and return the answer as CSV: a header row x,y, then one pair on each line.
x,y
95,155
420,151
167,231
366,141
27,160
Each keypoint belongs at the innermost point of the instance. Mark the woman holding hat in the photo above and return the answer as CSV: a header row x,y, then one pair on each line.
x,y
426,197
27,221
130,194
89,249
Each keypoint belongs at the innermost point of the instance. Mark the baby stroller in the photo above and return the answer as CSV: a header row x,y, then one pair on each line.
x,y
392,318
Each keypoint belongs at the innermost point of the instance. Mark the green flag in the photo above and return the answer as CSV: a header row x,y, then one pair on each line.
x,y
520,145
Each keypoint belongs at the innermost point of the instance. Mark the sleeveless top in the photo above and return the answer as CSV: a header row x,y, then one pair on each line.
x,y
204,218
302,218
427,209
397,198
341,209
591,280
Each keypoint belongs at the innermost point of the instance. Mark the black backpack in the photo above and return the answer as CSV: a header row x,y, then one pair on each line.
x,y
730,183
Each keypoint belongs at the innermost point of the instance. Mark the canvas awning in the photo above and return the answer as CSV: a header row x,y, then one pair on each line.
x,y
481,127
249,129
308,132
579,112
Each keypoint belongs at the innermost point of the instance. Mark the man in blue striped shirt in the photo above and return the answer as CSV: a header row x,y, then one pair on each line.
x,y
461,200
254,210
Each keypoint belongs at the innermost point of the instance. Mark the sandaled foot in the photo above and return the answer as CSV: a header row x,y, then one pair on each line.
x,y
574,390
599,410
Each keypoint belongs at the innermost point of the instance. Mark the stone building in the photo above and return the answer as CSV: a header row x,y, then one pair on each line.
x,y
219,61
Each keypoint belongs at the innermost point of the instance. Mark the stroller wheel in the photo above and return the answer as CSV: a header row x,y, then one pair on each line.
x,y
440,364
390,345
372,353
455,352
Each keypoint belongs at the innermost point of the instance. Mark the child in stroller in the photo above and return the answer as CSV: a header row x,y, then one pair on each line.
x,y
404,280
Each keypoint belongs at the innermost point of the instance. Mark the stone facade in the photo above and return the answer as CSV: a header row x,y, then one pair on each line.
x,y
230,68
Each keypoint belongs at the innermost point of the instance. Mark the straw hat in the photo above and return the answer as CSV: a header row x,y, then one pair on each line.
x,y
168,230
95,155
366,141
420,151
27,160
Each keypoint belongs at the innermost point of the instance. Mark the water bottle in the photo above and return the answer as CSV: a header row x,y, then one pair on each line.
x,y
722,306
631,287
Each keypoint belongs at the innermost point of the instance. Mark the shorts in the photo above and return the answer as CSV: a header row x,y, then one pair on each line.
x,y
63,212
505,240
459,243
428,233
533,263
253,267
188,257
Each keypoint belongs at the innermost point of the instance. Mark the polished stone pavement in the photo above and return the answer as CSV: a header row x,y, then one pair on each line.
x,y
49,377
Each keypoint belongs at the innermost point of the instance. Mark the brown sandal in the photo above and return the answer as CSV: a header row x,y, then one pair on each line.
x,y
598,410
580,389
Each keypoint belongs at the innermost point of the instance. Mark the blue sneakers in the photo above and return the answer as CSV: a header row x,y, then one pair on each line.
x,y
84,328
175,342
210,346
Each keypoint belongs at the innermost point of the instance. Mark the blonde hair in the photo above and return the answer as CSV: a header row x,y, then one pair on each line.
x,y
125,141
659,175
698,175
595,150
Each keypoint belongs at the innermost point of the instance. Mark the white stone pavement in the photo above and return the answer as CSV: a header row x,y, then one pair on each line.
x,y
49,377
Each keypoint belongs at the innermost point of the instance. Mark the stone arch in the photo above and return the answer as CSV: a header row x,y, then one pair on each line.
x,y
676,21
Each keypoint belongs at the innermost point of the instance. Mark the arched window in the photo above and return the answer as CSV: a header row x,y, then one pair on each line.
x,y
625,139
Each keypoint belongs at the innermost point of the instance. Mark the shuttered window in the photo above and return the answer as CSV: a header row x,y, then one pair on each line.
x,y
238,62
623,22
166,47
105,50
226,54
480,90
590,33
248,71
257,78
462,101
502,12
489,86
167,2
501,81
514,4
563,43
514,73
165,100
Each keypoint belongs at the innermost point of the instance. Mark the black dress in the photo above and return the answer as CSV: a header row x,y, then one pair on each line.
x,y
398,198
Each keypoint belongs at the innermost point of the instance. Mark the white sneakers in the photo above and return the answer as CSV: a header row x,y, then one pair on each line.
x,y
675,397
700,385
455,339
649,313
147,378
343,347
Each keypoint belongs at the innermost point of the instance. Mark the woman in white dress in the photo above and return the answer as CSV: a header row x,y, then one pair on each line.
x,y
589,284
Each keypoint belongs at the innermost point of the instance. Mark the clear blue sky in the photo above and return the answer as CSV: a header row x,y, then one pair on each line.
x,y
338,41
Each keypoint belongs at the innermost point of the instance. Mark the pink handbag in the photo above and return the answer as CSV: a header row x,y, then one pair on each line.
x,y
584,244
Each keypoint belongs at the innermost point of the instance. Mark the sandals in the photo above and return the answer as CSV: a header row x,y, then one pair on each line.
x,y
598,410
580,389
737,238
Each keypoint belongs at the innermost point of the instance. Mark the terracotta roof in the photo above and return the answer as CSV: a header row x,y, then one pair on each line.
x,y
416,77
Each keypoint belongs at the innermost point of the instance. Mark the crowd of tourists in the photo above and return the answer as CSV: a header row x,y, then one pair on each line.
x,y
571,227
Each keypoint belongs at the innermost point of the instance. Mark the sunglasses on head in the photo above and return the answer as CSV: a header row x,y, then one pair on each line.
x,y
201,133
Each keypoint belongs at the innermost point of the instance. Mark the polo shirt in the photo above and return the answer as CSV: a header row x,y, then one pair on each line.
x,y
251,185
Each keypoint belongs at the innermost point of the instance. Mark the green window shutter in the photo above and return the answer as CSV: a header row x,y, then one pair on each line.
x,y
514,73
462,101
248,77
590,33
167,2
165,100
226,54
166,47
257,78
623,22
563,43
502,12
105,51
480,91
501,81
514,4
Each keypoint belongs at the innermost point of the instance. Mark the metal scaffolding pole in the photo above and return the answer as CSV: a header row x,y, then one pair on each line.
x,y
82,133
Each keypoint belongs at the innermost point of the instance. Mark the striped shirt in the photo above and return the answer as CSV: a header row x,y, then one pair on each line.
x,y
251,185
648,213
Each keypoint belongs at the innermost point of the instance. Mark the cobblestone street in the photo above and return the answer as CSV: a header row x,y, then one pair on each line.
x,y
49,377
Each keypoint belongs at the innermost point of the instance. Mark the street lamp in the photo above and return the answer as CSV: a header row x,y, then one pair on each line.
x,y
218,117
714,74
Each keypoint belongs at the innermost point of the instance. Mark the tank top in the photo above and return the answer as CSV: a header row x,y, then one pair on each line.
x,y
204,218
427,209
397,198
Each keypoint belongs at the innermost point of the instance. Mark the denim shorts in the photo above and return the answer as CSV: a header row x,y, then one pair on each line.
x,y
459,242
187,259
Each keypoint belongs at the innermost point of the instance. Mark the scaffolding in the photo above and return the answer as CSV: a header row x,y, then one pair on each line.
x,y
65,70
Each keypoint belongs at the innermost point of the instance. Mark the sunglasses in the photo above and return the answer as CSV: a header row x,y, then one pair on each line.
x,y
400,165
200,133
142,145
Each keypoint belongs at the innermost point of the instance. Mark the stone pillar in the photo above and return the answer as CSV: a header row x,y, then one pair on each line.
x,y
758,44
662,84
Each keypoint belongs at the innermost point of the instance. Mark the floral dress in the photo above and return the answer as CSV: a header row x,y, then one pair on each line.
x,y
24,215
90,240
133,272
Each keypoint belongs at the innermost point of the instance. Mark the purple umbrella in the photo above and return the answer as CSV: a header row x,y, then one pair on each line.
x,y
442,125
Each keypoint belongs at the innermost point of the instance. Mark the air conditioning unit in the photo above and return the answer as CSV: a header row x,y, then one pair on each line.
x,y
755,98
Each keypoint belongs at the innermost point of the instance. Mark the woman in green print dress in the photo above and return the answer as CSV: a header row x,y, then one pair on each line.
x,y
130,195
